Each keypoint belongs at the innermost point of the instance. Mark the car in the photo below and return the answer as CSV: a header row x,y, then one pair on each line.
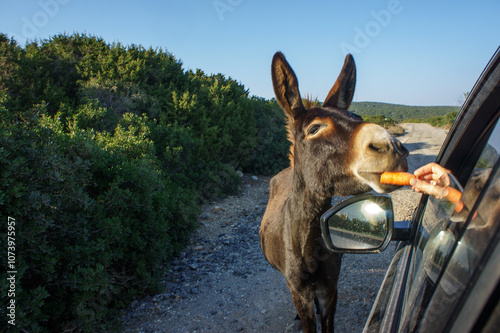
x,y
445,273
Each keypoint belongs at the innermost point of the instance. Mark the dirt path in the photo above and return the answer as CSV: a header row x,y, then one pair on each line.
x,y
222,283
424,143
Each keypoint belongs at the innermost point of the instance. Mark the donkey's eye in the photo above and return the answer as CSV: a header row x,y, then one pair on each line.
x,y
313,129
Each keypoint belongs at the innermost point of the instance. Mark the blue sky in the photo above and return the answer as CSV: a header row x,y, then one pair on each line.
x,y
414,52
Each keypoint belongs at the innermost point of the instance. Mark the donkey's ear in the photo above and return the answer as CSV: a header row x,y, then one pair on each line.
x,y
286,86
340,96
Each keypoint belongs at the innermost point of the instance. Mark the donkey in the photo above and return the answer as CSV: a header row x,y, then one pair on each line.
x,y
333,153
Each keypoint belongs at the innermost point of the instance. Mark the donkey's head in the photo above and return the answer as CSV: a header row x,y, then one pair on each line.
x,y
334,152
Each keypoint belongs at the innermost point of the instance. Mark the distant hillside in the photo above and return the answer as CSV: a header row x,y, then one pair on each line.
x,y
400,112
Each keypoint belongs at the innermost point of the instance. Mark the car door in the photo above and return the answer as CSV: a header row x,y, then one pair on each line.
x,y
431,276
452,248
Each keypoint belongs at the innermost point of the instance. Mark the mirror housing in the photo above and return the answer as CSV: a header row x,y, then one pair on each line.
x,y
362,224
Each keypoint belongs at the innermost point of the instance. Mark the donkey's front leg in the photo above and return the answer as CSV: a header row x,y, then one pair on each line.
x,y
327,303
305,310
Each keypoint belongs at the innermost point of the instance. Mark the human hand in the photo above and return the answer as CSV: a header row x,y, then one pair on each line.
x,y
431,179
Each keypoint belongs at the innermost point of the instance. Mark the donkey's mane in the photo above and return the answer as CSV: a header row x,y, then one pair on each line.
x,y
291,138
310,102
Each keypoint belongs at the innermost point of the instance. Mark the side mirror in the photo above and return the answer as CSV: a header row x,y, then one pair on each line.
x,y
361,224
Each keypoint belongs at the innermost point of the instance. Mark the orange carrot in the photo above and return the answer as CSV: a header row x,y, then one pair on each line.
x,y
396,178
403,178
454,196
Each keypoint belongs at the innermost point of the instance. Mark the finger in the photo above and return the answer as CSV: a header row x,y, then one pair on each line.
x,y
433,170
437,169
426,169
428,188
444,180
440,174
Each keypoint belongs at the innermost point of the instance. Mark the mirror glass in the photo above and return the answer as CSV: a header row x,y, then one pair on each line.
x,y
362,225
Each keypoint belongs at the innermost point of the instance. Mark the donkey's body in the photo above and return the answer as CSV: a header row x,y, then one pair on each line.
x,y
334,153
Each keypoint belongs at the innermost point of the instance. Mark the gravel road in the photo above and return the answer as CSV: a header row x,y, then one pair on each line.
x,y
222,282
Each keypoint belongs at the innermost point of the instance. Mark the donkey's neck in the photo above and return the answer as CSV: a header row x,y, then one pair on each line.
x,y
302,213
308,205
309,202
305,207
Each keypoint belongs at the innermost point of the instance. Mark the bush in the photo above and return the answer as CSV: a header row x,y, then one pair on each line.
x,y
390,124
380,120
443,121
270,154
396,130
105,152
96,219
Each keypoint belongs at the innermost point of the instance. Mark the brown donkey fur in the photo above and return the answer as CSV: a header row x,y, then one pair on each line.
x,y
333,153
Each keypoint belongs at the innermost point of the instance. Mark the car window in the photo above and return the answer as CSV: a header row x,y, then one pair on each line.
x,y
467,256
451,243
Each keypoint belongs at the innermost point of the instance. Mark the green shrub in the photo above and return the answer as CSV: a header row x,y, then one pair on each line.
x,y
380,120
96,219
400,113
441,121
105,152
390,124
270,154
396,130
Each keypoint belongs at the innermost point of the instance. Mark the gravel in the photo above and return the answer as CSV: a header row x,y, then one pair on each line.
x,y
222,282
